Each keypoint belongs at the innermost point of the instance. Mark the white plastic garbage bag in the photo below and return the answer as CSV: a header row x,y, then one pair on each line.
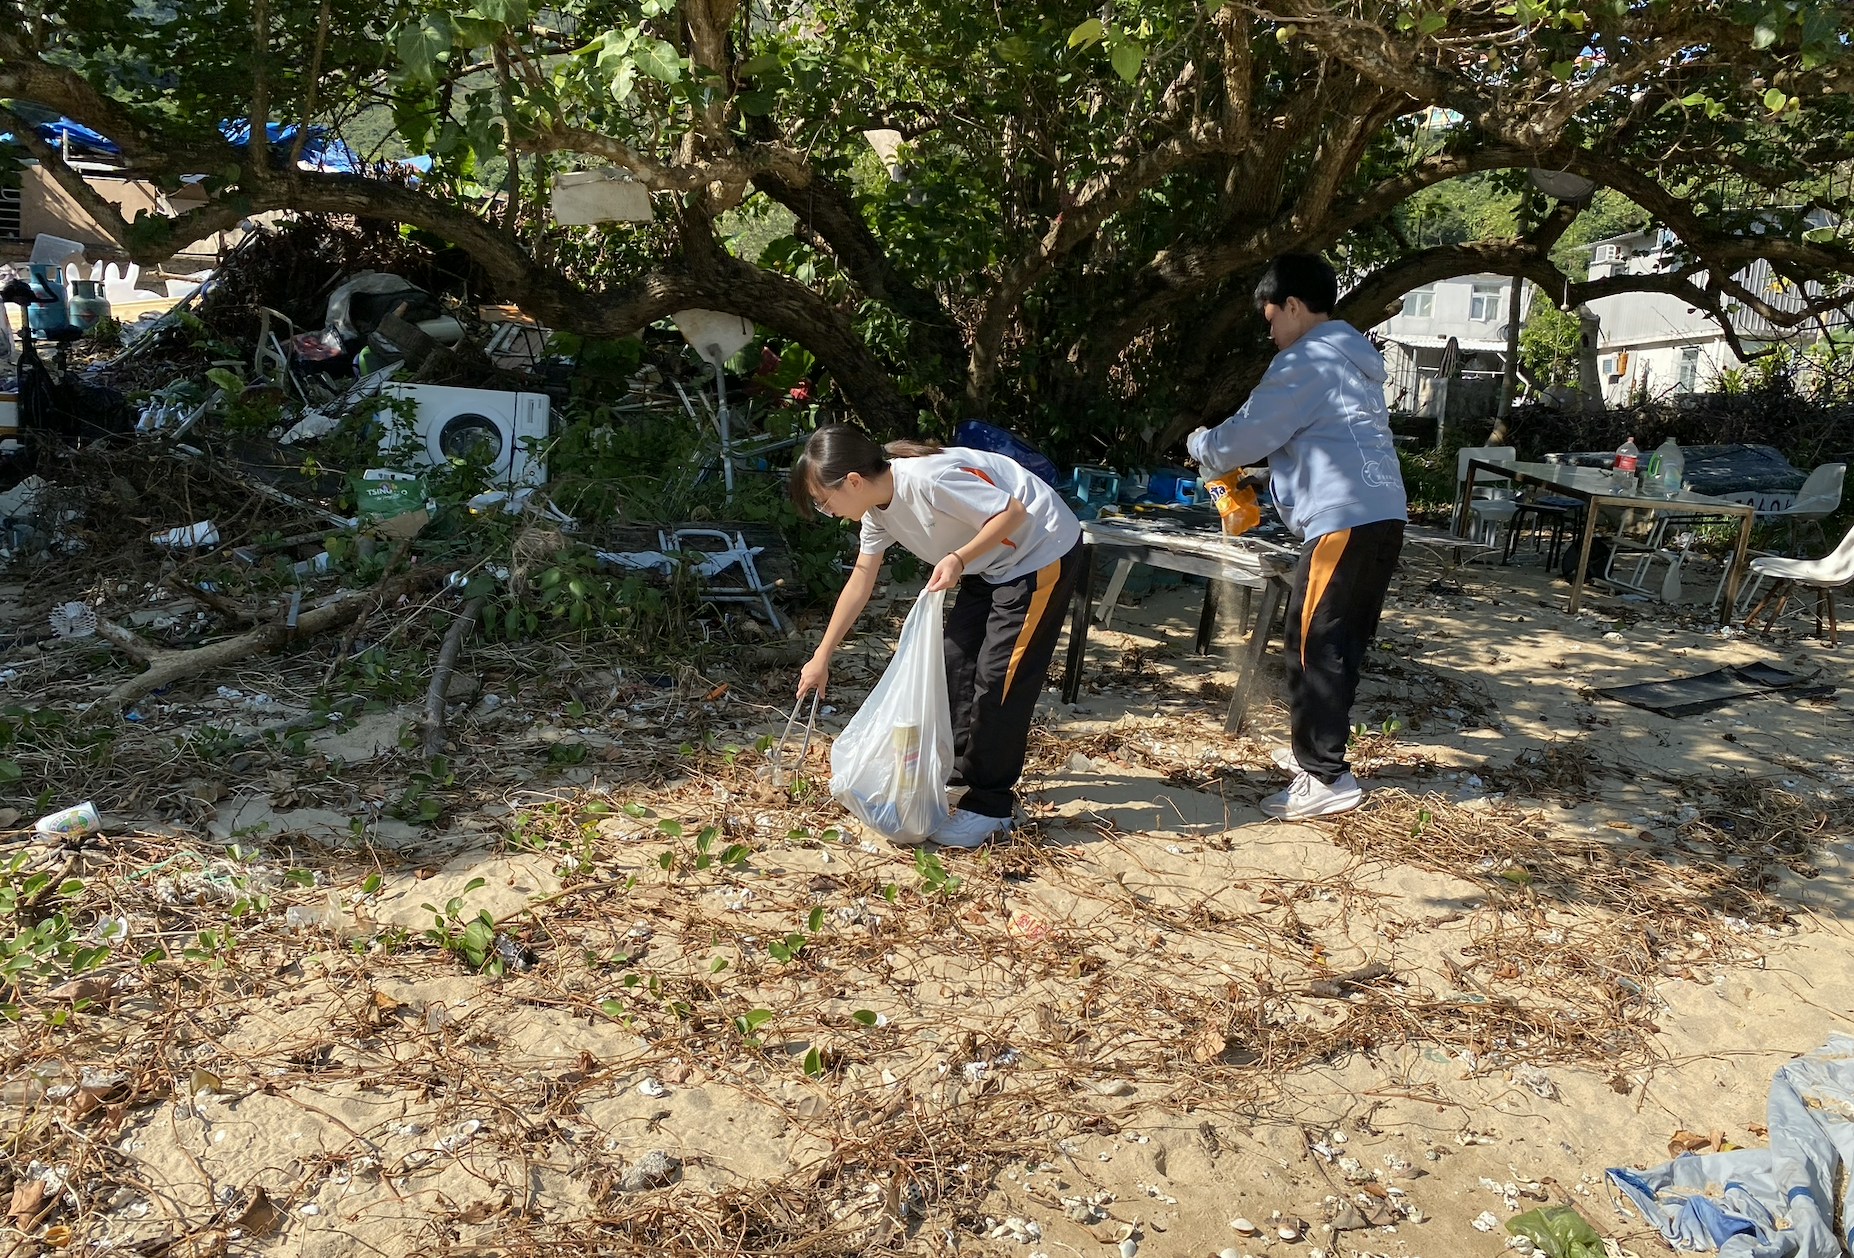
x,y
890,764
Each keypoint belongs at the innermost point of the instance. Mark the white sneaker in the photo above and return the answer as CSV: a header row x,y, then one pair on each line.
x,y
969,829
1310,797
1285,761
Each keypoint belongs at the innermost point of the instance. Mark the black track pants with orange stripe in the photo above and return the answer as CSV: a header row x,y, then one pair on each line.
x,y
999,641
1339,589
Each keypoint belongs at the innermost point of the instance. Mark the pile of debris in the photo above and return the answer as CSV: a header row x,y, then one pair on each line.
x,y
332,438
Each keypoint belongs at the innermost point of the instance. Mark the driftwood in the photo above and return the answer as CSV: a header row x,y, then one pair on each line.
x,y
165,667
441,675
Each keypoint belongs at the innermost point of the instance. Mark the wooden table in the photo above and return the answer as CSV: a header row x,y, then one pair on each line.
x,y
1183,541
1598,489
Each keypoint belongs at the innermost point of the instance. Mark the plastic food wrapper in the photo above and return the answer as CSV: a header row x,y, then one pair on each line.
x,y
890,764
1558,1232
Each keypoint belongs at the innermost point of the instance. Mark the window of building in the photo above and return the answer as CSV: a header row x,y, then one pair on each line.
x,y
1689,368
9,213
1420,304
1484,302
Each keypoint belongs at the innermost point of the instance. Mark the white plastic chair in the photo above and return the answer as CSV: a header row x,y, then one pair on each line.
x,y
1494,501
1824,576
1819,498
119,285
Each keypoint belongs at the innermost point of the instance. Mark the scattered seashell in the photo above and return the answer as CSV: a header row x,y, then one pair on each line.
x,y
1244,1227
1128,1247
655,1169
1114,1087
1289,1231
651,1088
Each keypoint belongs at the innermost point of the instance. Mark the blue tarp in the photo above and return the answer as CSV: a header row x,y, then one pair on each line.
x,y
1778,1202
321,151
82,139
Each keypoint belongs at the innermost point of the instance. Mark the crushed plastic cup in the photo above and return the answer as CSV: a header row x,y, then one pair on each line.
x,y
81,819
73,620
188,536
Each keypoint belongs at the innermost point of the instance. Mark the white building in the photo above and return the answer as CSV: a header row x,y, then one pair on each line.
x,y
1470,311
1655,344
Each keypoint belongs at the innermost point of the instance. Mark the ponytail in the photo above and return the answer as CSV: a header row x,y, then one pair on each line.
x,y
836,450
905,449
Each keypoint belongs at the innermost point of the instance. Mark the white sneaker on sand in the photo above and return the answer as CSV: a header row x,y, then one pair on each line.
x,y
969,829
1310,797
1284,760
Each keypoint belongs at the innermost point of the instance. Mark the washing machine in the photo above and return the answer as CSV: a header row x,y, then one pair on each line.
x,y
507,432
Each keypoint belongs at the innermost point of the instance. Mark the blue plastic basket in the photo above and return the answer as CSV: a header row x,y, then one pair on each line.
x,y
977,435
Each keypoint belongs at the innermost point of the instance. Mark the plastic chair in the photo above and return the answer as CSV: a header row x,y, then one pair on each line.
x,y
1494,501
1819,498
119,285
1824,576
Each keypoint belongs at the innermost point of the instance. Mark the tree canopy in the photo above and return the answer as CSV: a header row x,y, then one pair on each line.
x,y
1080,197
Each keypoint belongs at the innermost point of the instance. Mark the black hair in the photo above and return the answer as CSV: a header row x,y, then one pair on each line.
x,y
835,450
1303,275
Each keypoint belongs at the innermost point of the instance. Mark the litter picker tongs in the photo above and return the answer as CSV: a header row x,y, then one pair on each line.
x,y
780,777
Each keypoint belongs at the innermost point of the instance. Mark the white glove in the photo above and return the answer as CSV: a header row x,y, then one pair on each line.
x,y
1195,444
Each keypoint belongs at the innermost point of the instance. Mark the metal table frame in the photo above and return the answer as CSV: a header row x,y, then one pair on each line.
x,y
1248,564
1596,490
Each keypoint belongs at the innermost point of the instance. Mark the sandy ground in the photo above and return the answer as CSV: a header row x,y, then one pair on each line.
x,y
1593,927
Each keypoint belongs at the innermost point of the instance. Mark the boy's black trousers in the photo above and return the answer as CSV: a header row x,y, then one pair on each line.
x,y
999,641
1339,588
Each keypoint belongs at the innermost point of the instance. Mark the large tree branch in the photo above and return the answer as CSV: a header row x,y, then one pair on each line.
x,y
827,217
106,213
733,170
1132,168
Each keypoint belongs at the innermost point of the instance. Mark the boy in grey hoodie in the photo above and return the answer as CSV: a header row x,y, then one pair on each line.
x,y
1318,419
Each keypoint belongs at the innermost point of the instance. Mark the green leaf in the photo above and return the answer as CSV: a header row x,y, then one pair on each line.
x,y
1127,57
754,1019
670,827
1776,100
658,59
1563,70
756,104
420,46
1431,23
864,1017
1093,31
10,771
228,382
507,12
1769,28
815,921
814,1064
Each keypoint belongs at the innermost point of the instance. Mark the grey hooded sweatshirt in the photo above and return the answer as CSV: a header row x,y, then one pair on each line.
x,y
1318,418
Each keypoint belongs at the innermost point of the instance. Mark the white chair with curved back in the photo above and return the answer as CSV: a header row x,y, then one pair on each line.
x,y
1824,576
1819,498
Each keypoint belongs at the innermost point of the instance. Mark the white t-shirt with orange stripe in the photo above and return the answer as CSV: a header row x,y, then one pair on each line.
x,y
942,500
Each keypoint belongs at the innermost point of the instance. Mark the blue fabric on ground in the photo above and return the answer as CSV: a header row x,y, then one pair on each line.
x,y
1766,1203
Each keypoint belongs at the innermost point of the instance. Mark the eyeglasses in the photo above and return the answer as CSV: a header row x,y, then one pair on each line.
x,y
820,501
